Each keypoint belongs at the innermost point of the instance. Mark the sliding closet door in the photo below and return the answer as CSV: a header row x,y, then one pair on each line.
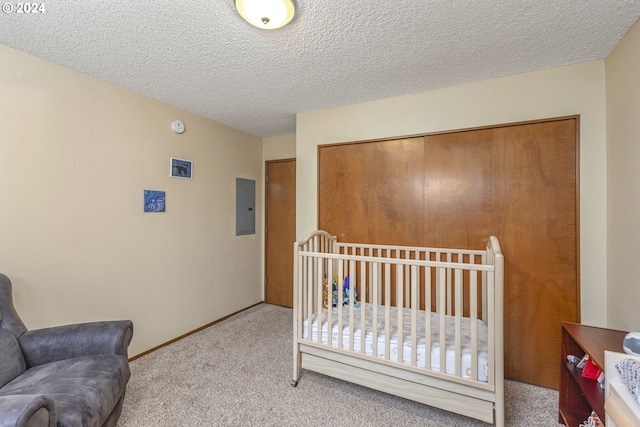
x,y
536,219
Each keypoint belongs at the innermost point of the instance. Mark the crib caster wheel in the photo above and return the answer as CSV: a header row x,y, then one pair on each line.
x,y
294,383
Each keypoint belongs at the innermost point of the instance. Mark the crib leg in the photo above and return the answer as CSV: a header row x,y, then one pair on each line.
x,y
499,410
297,361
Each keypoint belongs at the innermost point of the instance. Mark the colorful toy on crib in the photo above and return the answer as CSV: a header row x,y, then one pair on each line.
x,y
325,293
348,294
346,291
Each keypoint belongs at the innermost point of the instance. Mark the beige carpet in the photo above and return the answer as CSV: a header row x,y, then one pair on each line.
x,y
238,372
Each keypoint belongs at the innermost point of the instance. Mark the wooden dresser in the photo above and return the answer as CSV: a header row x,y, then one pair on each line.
x,y
579,396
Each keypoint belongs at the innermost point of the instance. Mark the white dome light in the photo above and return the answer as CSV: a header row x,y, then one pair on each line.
x,y
266,14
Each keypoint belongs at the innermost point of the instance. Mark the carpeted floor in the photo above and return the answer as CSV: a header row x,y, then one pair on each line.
x,y
238,372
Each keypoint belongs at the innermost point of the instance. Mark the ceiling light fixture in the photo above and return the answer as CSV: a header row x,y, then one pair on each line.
x,y
266,14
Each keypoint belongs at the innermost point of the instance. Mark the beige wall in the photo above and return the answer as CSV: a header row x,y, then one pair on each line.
x,y
77,154
279,147
622,68
576,89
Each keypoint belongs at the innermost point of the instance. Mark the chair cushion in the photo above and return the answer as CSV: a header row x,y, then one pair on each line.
x,y
11,360
85,389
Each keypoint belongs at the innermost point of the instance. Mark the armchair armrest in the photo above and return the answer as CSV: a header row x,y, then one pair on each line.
x,y
27,410
46,345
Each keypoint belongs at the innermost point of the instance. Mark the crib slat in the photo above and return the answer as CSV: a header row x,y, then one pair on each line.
x,y
399,305
491,331
310,294
339,307
379,284
442,283
458,322
352,276
484,288
449,287
407,286
414,315
363,291
427,317
473,314
437,296
330,302
387,311
374,316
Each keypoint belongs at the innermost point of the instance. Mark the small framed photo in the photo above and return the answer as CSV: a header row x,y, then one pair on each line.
x,y
181,168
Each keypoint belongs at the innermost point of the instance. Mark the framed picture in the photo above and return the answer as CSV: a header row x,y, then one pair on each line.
x,y
181,168
154,201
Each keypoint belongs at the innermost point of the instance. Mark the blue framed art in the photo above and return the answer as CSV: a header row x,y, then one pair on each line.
x,y
154,201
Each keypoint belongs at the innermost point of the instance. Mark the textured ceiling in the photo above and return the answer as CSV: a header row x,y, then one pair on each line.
x,y
199,55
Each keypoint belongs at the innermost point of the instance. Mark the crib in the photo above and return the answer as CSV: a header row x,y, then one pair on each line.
x,y
424,324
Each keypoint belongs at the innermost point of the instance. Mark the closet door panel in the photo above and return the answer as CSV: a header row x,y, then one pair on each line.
x,y
458,201
373,192
395,176
342,191
536,221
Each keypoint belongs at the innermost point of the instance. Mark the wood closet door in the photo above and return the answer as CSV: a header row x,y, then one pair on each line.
x,y
342,192
535,217
280,218
458,203
373,192
395,176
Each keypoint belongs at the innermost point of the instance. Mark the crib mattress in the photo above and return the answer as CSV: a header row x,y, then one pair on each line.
x,y
406,344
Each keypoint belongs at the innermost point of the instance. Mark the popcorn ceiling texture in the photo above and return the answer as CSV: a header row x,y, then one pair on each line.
x,y
202,57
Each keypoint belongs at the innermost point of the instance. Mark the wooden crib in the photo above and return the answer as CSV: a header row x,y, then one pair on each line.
x,y
380,302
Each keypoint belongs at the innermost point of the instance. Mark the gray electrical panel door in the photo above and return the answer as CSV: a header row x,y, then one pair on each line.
x,y
245,206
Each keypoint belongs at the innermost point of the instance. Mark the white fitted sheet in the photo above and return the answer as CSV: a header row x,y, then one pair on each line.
x,y
406,345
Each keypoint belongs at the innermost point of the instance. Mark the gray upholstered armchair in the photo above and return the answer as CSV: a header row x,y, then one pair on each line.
x,y
73,375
